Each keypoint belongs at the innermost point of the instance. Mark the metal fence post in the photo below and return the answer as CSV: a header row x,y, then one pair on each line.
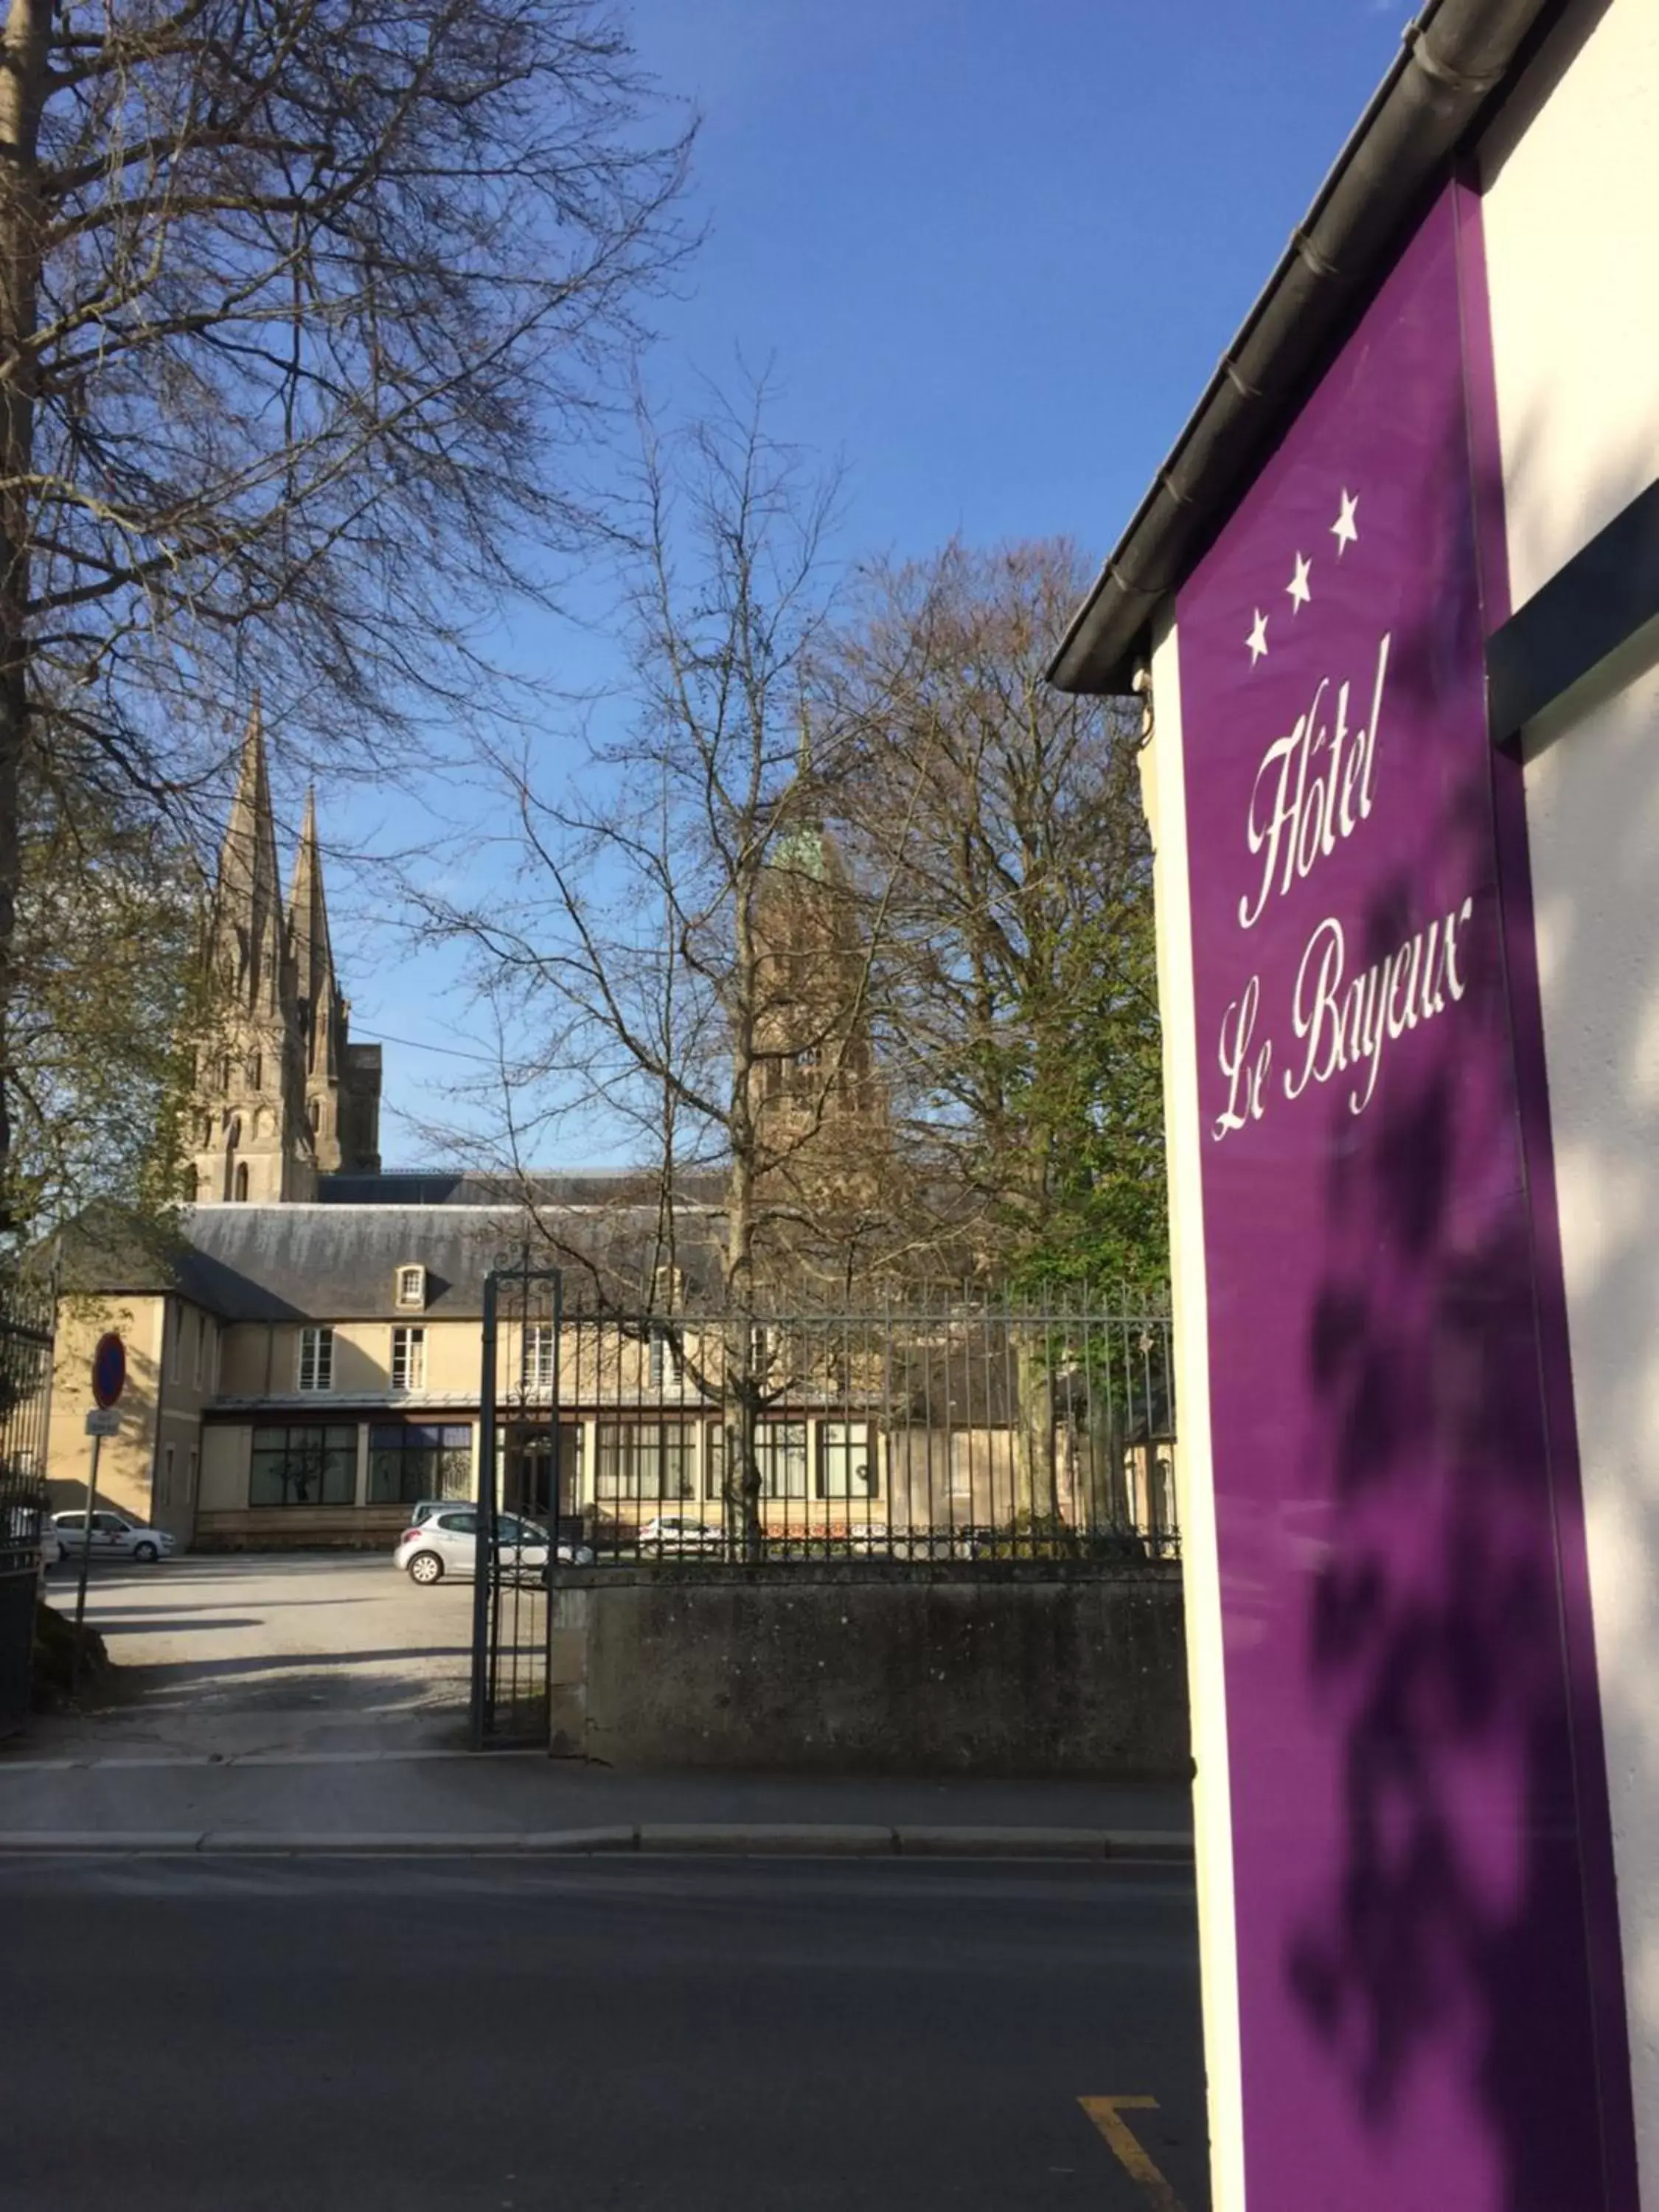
x,y
485,1558
555,1493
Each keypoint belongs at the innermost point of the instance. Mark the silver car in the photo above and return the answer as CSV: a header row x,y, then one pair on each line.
x,y
113,1537
446,1543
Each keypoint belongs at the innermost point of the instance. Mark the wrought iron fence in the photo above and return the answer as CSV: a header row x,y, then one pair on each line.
x,y
25,1386
946,1436
951,1429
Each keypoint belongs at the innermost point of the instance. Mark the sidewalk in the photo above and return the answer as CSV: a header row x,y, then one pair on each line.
x,y
430,1800
298,1704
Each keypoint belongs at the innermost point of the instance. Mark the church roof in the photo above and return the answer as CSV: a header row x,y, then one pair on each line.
x,y
337,1262
578,1186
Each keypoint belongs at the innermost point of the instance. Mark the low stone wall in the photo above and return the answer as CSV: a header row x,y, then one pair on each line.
x,y
1021,1670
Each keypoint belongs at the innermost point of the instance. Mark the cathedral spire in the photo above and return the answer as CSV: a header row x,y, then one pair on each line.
x,y
249,903
308,916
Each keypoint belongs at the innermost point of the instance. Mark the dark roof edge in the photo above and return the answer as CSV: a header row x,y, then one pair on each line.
x,y
1453,58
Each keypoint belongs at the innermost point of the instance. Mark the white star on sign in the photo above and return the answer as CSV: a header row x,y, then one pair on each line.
x,y
1257,639
1343,528
1298,587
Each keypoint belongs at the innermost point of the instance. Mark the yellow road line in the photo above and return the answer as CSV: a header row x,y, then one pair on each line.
x,y
1107,2114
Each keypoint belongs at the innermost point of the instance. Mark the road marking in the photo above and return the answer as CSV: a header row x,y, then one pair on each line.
x,y
1107,2114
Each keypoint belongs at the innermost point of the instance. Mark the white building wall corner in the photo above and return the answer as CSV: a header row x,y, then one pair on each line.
x,y
1163,774
1570,219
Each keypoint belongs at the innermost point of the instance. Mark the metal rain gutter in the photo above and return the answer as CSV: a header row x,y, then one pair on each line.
x,y
1453,57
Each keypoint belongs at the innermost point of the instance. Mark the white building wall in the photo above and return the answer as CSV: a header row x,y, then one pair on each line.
x,y
1163,787
226,1455
1571,221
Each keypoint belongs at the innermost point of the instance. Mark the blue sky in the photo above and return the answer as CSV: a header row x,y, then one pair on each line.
x,y
992,248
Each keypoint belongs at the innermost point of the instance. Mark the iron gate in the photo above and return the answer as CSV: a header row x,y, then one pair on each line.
x,y
25,1379
519,1496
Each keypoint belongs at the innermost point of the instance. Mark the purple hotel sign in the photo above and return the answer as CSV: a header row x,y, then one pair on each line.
x,y
1430,2009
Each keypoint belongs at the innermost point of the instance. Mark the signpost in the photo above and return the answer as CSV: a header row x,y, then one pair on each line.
x,y
109,1380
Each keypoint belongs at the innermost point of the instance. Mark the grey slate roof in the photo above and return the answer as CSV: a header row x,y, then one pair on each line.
x,y
574,1187
336,1261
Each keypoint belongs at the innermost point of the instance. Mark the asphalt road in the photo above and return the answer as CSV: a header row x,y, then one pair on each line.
x,y
393,2036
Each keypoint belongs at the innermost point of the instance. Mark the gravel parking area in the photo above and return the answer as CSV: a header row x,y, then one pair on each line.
x,y
222,1652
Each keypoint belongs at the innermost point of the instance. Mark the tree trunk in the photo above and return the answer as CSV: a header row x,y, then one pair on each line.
x,y
22,86
745,1528
1034,1432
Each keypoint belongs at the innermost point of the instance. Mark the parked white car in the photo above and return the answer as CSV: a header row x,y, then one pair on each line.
x,y
681,1531
22,1528
113,1537
446,1543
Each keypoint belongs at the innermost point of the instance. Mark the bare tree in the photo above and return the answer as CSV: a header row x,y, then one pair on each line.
x,y
686,953
302,304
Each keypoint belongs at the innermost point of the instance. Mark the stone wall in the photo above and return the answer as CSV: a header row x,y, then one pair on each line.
x,y
1023,1670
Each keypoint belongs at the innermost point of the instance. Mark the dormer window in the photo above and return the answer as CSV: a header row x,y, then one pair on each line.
x,y
411,1288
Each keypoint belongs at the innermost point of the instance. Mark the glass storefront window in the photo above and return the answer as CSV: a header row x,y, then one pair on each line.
x,y
411,1460
308,1463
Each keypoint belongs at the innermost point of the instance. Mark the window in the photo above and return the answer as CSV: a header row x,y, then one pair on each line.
x,y
241,1182
314,1116
538,1355
172,1349
218,1356
645,1459
714,1462
195,1465
411,1287
408,1460
962,1471
668,1372
316,1359
304,1464
409,1359
780,1455
846,1463
164,1488
196,1362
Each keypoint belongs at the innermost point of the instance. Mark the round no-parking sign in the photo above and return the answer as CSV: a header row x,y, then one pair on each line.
x,y
109,1369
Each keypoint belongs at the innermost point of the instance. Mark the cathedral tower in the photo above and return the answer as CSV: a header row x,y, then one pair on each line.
x,y
282,1094
818,1102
